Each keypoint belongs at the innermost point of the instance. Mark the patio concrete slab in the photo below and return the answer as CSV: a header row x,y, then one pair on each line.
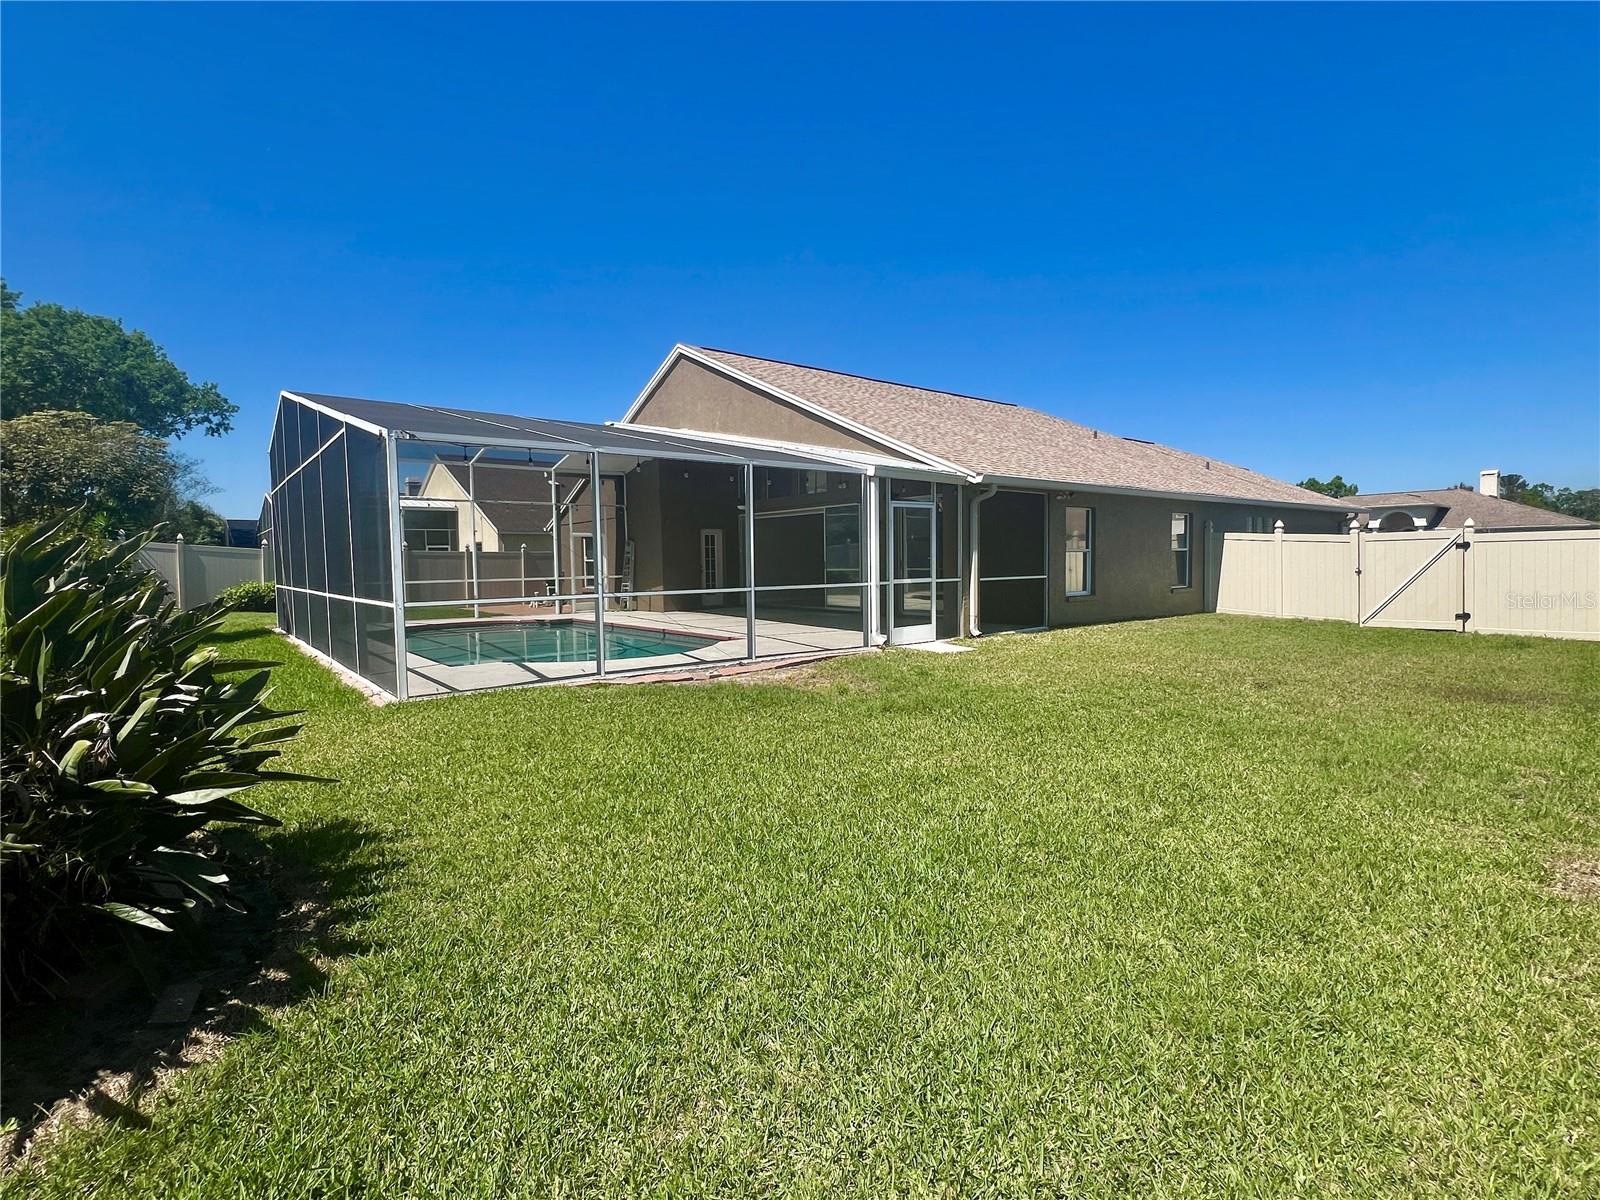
x,y
780,633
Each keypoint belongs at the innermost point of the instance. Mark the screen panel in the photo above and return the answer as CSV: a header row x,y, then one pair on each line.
x,y
342,632
312,517
294,532
336,521
318,606
375,644
289,420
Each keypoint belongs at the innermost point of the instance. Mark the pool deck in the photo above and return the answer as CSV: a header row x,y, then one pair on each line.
x,y
779,634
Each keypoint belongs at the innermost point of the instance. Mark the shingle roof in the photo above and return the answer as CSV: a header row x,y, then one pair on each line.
x,y
512,501
1487,512
991,437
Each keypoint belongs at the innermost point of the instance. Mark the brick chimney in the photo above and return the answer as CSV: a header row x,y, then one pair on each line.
x,y
1489,482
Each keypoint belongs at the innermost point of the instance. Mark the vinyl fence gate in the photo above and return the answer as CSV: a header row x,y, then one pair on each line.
x,y
1544,582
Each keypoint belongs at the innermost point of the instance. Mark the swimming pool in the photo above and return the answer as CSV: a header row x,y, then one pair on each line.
x,y
543,641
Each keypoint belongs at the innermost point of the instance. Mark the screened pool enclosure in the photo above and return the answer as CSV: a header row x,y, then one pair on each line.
x,y
436,550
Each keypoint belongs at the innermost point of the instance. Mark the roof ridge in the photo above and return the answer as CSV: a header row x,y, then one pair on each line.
x,y
916,387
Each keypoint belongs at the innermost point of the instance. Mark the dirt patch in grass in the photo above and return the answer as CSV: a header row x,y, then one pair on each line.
x,y
1462,693
816,677
1577,878
93,1052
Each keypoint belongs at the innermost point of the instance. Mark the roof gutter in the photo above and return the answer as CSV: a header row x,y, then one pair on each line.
x,y
1071,486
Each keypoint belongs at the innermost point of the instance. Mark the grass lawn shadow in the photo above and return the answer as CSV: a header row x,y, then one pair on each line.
x,y
94,1051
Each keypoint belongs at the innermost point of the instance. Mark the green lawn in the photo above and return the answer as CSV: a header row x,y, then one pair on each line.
x,y
1204,906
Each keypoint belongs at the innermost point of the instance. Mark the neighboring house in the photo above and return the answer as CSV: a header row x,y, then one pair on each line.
x,y
504,508
511,509
1451,508
242,531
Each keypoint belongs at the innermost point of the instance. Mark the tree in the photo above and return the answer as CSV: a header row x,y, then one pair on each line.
x,y
1518,488
61,359
1582,502
1335,487
118,476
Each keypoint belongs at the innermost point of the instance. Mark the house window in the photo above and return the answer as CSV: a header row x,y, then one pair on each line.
x,y
585,564
430,529
1080,551
711,559
841,554
782,484
1180,550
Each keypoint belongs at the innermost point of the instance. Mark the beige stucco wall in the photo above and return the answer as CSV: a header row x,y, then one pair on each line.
x,y
669,503
692,396
1133,569
439,484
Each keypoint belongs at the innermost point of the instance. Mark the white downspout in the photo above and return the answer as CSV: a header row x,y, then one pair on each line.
x,y
972,553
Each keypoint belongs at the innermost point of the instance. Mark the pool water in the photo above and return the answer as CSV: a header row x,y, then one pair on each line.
x,y
543,641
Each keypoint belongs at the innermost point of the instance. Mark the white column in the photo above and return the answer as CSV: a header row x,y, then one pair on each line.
x,y
599,543
555,539
397,563
177,573
1277,544
873,550
1355,564
472,507
747,531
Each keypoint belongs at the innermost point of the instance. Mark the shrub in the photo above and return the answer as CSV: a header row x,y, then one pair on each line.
x,y
124,737
249,596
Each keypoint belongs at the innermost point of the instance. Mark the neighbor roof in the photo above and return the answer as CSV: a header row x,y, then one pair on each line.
x,y
512,501
1459,503
995,438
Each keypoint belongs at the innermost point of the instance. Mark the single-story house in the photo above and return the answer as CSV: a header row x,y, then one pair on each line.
x,y
740,508
1453,507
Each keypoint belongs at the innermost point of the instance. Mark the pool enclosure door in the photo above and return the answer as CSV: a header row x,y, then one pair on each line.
x,y
911,541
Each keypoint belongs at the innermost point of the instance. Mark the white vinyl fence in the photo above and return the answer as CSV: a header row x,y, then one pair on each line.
x,y
1544,582
196,574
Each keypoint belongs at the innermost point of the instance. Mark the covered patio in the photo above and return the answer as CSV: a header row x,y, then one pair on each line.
x,y
435,550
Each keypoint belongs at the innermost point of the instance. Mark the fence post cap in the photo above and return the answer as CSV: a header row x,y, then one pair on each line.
x,y
1471,524
1355,524
179,538
1277,526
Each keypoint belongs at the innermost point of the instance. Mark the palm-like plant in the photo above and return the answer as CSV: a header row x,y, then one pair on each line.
x,y
123,736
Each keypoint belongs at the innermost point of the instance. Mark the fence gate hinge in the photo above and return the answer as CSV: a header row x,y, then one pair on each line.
x,y
1463,616
1463,545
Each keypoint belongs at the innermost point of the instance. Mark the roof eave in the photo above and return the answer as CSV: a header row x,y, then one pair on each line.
x,y
1070,485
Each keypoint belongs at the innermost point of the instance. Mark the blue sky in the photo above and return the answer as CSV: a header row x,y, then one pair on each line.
x,y
1357,239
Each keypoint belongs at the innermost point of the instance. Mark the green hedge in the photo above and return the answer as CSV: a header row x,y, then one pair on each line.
x,y
248,597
